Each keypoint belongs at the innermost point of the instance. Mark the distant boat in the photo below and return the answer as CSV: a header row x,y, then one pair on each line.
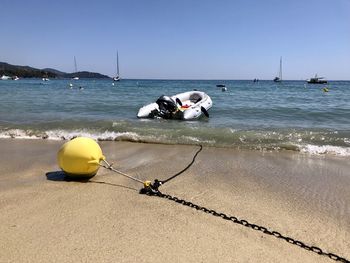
x,y
279,78
15,78
45,77
117,77
222,86
76,69
4,77
317,80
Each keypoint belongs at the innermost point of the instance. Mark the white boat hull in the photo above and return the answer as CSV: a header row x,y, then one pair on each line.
x,y
4,77
192,106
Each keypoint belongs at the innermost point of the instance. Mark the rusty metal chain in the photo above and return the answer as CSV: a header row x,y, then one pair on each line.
x,y
155,192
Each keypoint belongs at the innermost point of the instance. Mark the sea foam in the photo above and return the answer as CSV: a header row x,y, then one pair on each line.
x,y
244,140
325,149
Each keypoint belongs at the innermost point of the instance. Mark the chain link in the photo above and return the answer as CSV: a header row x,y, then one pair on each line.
x,y
250,225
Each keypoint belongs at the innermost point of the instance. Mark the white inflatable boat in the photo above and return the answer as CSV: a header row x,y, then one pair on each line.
x,y
184,106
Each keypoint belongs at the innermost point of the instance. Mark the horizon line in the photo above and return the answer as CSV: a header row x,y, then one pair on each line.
x,y
135,78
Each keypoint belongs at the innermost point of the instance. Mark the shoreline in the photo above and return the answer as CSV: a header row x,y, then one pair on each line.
x,y
130,137
301,196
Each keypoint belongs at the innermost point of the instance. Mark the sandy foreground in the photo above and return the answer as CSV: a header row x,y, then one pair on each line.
x,y
44,218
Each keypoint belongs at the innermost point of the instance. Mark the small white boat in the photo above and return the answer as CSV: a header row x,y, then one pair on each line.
x,y
189,105
45,79
4,77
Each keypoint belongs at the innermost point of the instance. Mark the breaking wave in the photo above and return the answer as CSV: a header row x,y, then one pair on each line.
x,y
306,142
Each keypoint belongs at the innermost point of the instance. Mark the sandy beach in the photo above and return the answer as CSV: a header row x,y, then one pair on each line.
x,y
44,218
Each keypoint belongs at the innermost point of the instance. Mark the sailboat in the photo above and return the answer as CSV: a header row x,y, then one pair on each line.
x,y
117,77
279,78
76,69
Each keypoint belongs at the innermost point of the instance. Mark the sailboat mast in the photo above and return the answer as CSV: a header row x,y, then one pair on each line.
x,y
281,68
117,64
75,65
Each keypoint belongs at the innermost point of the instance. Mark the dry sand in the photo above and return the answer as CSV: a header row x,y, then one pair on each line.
x,y
46,219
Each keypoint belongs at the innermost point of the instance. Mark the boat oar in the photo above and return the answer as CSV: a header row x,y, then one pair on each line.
x,y
179,102
205,112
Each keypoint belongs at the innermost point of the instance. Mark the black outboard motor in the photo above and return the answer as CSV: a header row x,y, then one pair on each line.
x,y
167,107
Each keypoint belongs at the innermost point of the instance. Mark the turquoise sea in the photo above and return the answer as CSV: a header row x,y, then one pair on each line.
x,y
291,115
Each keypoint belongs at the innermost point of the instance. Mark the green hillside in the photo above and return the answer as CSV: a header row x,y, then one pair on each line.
x,y
30,72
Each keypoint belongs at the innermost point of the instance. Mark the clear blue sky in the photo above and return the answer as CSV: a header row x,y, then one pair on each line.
x,y
180,39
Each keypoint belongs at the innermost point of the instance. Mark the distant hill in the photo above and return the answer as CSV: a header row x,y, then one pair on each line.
x,y
85,75
30,72
23,71
54,71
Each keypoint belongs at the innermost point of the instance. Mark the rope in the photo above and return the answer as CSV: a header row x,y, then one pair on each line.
x,y
147,184
109,167
183,170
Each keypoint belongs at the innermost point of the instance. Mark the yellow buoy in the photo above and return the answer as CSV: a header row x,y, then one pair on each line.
x,y
325,89
80,157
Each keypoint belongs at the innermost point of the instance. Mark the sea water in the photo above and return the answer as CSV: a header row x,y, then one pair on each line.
x,y
263,115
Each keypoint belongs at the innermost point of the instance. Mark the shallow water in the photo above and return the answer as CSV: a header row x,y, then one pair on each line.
x,y
291,115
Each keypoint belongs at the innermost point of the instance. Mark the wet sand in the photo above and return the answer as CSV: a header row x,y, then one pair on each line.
x,y
46,219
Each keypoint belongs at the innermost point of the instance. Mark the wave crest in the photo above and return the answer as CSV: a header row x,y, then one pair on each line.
x,y
241,140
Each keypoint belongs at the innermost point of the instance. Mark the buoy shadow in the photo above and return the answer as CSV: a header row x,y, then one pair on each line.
x,y
60,176
56,176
